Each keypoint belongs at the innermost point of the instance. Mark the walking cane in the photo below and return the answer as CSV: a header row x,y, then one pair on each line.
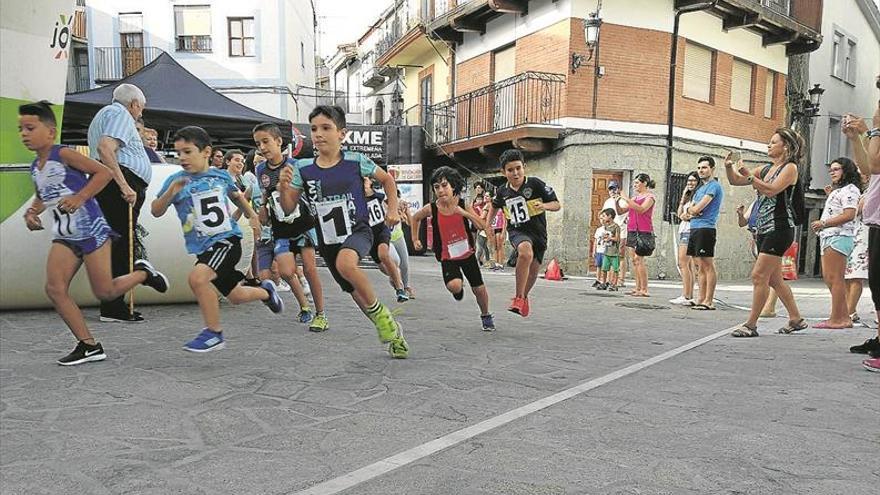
x,y
131,256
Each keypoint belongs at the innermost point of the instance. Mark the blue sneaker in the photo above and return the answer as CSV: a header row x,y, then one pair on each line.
x,y
402,296
305,315
205,341
488,323
275,303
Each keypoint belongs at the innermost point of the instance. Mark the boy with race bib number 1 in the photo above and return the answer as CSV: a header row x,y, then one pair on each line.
x,y
80,231
524,200
332,183
201,197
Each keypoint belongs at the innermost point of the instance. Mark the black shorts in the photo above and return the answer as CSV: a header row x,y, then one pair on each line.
x,y
539,246
360,241
453,269
222,258
775,242
381,235
702,243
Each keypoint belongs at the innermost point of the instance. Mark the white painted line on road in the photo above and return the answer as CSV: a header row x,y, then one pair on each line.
x,y
389,464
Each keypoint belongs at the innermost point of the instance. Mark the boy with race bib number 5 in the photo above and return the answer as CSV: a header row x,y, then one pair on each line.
x,y
332,183
80,231
524,200
201,197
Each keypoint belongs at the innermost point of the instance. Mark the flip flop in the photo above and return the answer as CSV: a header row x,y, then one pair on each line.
x,y
793,327
700,307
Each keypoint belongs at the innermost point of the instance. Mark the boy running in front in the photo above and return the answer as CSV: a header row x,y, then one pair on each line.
x,y
201,195
334,188
293,233
80,231
524,200
453,239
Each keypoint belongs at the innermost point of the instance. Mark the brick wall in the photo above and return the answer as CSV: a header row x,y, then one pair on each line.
x,y
473,74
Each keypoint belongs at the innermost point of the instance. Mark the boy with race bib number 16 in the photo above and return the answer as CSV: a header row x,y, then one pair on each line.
x,y
333,186
524,200
80,233
201,197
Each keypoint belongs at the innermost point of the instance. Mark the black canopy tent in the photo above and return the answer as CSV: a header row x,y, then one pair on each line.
x,y
175,98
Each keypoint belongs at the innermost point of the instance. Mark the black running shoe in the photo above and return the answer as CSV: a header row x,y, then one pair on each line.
x,y
155,279
870,347
123,318
83,353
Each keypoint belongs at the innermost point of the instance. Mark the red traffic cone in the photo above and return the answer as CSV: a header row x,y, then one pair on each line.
x,y
553,272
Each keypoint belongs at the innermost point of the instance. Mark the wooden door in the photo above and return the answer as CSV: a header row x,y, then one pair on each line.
x,y
597,198
132,53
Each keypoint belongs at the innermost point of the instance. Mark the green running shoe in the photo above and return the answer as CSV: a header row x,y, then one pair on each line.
x,y
319,323
386,326
398,348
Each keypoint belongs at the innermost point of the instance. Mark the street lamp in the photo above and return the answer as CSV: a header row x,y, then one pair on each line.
x,y
807,106
591,33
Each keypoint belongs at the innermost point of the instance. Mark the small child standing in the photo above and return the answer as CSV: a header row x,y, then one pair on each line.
x,y
80,231
333,186
454,240
611,258
201,195
598,252
524,200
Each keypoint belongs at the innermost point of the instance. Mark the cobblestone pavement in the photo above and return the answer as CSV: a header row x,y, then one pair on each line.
x,y
281,410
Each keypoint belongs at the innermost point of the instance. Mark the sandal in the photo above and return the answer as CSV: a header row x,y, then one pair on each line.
x,y
745,331
702,307
792,327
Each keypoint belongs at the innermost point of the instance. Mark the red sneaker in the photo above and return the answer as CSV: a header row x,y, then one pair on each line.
x,y
526,308
517,306
872,364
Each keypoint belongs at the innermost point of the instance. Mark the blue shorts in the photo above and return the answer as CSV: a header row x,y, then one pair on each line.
x,y
597,258
265,251
83,247
843,244
295,244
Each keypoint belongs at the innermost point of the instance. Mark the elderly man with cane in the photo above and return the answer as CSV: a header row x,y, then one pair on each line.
x,y
115,142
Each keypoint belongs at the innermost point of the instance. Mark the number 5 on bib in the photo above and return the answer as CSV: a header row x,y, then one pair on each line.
x,y
518,210
211,212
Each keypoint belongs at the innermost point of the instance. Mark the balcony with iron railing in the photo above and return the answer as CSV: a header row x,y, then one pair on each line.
x,y
412,26
113,63
527,105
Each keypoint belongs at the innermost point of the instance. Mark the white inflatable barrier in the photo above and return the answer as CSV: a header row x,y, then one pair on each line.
x,y
23,257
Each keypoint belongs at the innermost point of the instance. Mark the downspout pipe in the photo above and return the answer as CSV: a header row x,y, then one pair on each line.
x,y
670,112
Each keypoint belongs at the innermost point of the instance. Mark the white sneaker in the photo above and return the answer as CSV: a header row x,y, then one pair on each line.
x,y
283,287
682,301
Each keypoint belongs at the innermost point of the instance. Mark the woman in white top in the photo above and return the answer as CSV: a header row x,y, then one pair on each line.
x,y
857,263
685,262
837,232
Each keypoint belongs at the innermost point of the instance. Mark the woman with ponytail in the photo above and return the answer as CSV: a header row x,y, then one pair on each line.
x,y
775,225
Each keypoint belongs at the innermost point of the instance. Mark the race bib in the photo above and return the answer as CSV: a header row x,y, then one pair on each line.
x,y
458,249
211,212
376,211
518,210
64,224
334,220
275,202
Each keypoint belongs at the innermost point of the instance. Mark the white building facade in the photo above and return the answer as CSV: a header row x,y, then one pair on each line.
x,y
846,66
259,53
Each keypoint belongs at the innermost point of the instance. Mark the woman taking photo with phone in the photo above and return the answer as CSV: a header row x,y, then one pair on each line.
x,y
774,224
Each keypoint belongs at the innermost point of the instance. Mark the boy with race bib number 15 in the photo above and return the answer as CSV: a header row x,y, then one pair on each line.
x,y
333,186
201,197
80,233
524,200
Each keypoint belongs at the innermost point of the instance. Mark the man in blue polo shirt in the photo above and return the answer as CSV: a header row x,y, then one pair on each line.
x,y
704,218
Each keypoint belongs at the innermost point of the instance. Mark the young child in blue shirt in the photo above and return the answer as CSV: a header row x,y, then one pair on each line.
x,y
80,231
332,184
201,195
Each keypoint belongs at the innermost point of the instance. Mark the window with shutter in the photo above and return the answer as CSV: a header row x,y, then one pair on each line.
x,y
697,72
192,26
769,97
741,86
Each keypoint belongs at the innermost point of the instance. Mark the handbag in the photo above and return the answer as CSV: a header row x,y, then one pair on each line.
x,y
644,243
